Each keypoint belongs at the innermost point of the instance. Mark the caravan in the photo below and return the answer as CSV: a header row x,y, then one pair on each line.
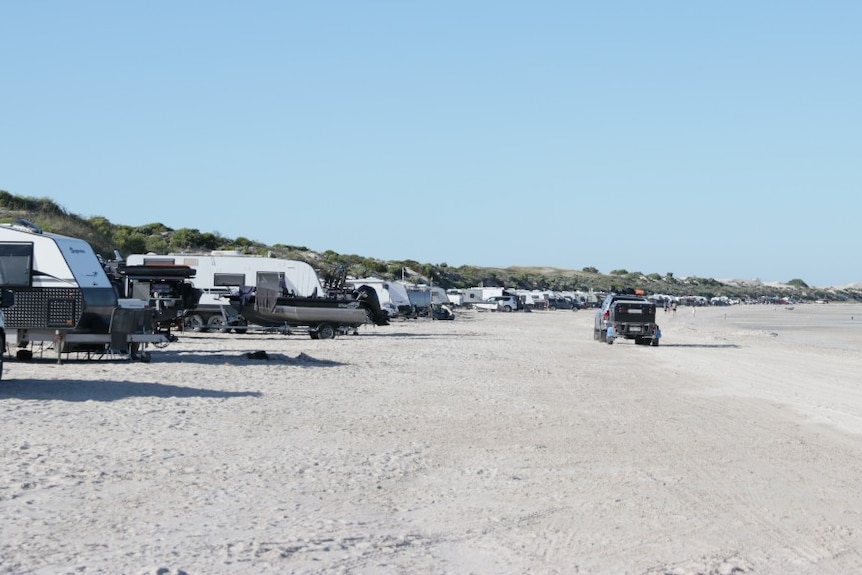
x,y
63,295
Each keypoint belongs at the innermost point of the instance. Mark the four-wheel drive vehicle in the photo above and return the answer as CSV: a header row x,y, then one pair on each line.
x,y
626,316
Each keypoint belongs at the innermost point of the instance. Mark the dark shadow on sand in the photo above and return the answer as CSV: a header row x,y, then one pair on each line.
x,y
413,335
240,357
703,345
84,390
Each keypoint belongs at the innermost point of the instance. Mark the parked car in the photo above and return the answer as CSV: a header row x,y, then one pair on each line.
x,y
555,303
507,302
500,303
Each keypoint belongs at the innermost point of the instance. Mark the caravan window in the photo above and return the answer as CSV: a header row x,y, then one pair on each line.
x,y
16,264
271,280
230,280
156,261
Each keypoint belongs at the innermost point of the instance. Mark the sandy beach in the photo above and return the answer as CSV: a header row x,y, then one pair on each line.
x,y
498,443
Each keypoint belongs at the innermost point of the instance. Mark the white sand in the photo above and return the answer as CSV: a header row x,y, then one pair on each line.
x,y
492,444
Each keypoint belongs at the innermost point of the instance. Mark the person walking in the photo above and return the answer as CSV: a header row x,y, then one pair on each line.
x,y
656,336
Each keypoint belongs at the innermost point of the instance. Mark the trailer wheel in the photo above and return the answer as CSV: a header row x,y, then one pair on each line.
x,y
194,323
217,323
326,331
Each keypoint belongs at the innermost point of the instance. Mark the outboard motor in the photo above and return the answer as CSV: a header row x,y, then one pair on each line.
x,y
367,295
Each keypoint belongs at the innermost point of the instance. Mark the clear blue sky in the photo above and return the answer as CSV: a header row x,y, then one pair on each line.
x,y
713,139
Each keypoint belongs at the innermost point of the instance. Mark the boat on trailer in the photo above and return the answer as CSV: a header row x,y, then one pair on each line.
x,y
274,306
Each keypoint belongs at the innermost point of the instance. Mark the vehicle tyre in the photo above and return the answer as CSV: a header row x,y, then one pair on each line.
x,y
314,335
326,331
603,335
553,308
217,323
194,322
507,308
2,353
595,334
654,343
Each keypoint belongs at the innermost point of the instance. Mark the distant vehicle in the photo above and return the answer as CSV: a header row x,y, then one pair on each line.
x,y
626,316
505,302
555,303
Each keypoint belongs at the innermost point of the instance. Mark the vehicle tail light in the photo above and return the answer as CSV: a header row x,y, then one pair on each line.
x,y
607,314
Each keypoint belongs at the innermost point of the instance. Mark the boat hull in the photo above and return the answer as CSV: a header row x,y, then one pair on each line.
x,y
262,308
298,313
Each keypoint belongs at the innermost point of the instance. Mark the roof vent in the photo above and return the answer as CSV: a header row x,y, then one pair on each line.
x,y
29,225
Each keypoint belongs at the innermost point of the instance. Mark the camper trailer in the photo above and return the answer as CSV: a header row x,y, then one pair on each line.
x,y
220,273
63,295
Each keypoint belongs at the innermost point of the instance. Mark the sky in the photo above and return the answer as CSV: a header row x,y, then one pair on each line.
x,y
708,139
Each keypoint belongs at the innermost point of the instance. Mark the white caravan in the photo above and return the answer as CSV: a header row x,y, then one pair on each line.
x,y
219,273
63,295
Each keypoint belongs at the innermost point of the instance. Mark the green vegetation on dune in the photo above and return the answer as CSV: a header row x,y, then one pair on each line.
x,y
106,237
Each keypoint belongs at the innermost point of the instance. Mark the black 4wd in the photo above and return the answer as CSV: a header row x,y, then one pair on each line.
x,y
628,316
